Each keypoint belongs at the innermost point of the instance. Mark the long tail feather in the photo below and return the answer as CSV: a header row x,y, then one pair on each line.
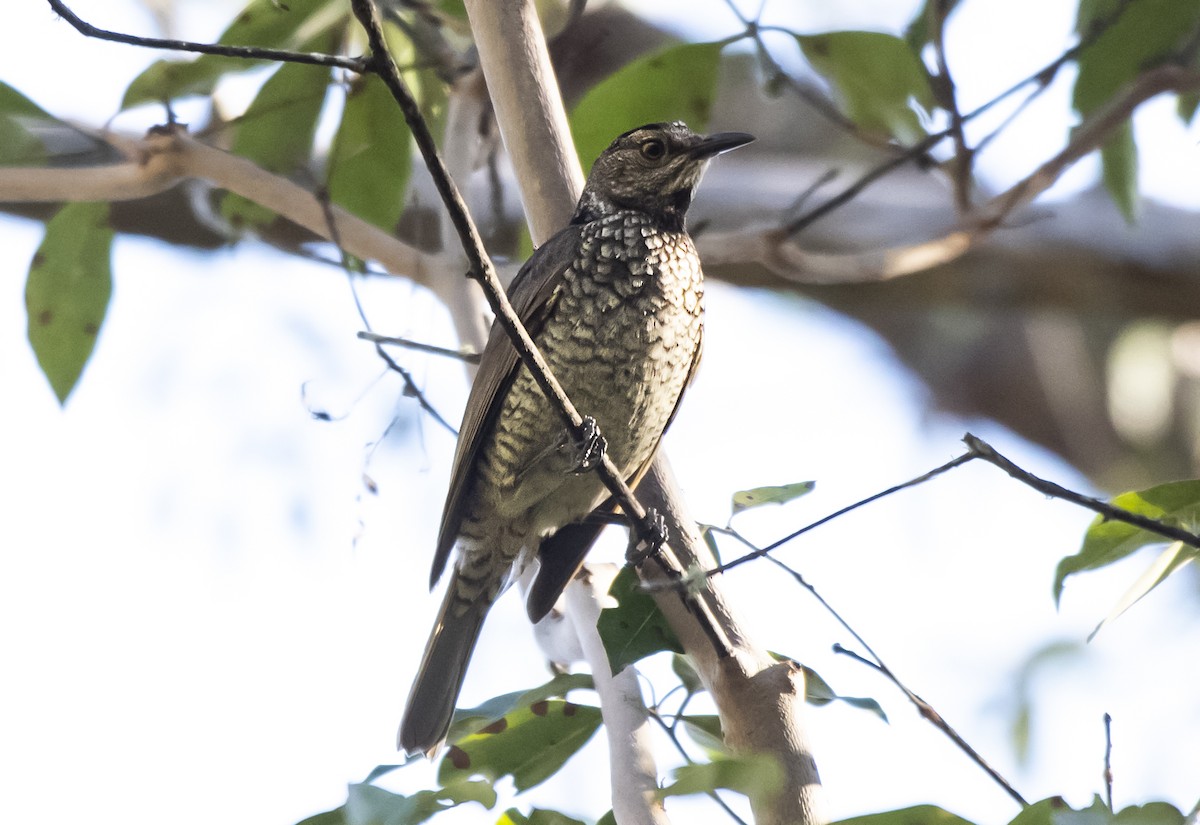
x,y
435,691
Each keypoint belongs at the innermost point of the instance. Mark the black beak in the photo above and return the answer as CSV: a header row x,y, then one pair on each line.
x,y
714,145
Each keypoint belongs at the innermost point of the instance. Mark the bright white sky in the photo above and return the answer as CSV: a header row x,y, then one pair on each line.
x,y
209,619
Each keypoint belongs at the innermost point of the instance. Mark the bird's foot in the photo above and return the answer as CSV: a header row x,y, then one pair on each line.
x,y
589,446
654,529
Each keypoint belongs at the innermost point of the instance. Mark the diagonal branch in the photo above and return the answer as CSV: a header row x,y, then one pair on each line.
x,y
783,256
354,64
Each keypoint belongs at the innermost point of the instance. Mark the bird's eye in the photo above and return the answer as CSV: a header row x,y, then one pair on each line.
x,y
654,150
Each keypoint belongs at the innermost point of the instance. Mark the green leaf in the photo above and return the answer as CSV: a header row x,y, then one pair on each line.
x,y
276,131
471,720
916,815
1119,162
371,159
635,628
678,83
686,673
880,80
758,776
918,34
537,816
530,744
758,496
1146,33
1175,556
1022,690
264,23
1176,503
370,805
335,817
608,819
1055,811
818,692
67,292
18,145
705,730
1187,105
710,541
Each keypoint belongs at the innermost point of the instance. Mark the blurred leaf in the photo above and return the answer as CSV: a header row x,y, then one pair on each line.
x,y
916,815
686,673
470,720
1145,34
758,776
878,78
268,24
538,816
918,35
1186,107
710,541
1176,503
371,158
67,292
758,496
1175,556
335,817
370,805
635,628
678,83
1055,811
530,744
1119,160
705,731
18,117
818,692
1022,691
276,131
608,819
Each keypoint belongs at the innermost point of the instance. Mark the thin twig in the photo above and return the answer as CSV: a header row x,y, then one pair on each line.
x,y
669,730
949,465
1108,774
458,355
948,97
982,450
876,661
1042,77
354,64
929,713
410,386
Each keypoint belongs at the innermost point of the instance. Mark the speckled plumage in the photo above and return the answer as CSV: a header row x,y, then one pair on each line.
x,y
615,304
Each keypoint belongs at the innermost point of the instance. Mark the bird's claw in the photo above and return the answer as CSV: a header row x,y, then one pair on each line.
x,y
589,445
654,528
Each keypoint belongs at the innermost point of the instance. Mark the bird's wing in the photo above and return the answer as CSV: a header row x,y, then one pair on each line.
x,y
561,555
532,294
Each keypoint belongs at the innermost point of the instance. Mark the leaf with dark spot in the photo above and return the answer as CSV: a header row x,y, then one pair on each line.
x,y
67,292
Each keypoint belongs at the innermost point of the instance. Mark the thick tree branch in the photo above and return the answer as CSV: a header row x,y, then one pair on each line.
x,y
167,156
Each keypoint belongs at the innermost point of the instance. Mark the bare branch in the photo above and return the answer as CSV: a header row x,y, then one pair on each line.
x,y
785,258
947,95
468,357
354,64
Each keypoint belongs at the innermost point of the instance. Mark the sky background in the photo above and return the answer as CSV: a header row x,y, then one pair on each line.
x,y
208,617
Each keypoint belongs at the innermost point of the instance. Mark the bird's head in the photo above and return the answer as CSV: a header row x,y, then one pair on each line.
x,y
653,169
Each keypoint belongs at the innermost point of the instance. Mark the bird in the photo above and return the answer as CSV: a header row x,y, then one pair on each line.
x,y
615,303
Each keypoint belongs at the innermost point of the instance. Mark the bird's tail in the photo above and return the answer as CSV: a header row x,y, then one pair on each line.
x,y
435,691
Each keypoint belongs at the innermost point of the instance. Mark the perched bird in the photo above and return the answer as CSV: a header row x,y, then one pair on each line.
x,y
614,301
